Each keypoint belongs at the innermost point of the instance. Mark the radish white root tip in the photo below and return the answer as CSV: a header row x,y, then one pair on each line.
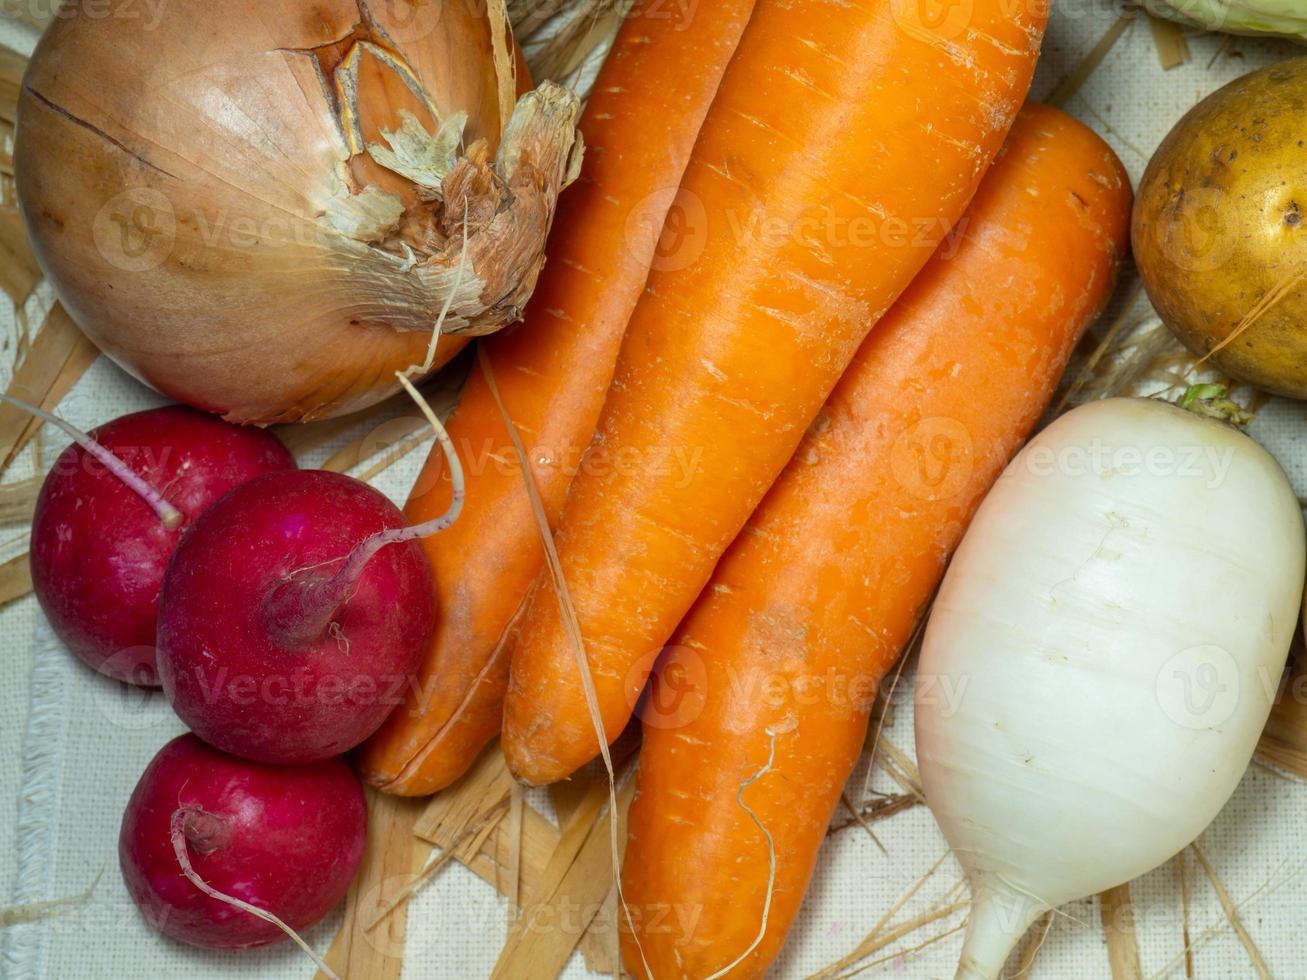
x,y
301,612
179,846
169,516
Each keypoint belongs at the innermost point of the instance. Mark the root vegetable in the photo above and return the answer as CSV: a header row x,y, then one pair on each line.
x,y
1113,628
781,658
293,615
1220,229
843,143
260,207
286,840
552,374
110,514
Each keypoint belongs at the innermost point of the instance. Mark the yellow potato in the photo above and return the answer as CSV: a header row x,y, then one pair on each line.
x,y
1220,229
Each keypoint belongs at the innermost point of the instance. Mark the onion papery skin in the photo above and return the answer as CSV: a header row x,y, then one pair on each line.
x,y
253,206
1102,656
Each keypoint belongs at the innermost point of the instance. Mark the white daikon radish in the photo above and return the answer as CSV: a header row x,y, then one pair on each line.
x,y
1102,656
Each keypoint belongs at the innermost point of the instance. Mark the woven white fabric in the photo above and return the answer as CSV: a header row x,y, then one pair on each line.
x,y
72,744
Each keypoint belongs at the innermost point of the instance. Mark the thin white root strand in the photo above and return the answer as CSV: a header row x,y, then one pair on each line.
x,y
35,911
456,481
184,859
364,553
771,859
169,515
568,612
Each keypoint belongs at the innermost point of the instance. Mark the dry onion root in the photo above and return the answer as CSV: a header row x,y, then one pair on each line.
x,y
261,207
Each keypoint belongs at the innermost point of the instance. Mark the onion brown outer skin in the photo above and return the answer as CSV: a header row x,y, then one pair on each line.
x,y
1102,656
189,190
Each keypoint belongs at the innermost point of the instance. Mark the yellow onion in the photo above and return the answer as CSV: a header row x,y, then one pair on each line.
x,y
263,207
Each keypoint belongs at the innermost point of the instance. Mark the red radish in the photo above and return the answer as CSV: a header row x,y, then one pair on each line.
x,y
110,514
295,611
207,836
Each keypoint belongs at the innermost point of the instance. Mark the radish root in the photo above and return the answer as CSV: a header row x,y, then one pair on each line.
x,y
180,818
169,515
302,612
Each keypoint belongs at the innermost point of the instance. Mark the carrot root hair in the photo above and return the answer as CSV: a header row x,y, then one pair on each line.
x,y
771,857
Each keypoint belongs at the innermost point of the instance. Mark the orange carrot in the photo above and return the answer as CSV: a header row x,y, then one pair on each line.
x,y
778,663
845,140
552,372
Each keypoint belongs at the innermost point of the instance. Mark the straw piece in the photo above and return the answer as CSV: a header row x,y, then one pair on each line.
x,y
59,355
18,500
393,856
34,13
538,841
514,833
1232,913
12,65
1087,370
356,451
19,272
487,785
1072,83
304,437
465,847
902,954
15,579
1259,309
566,794
1182,869
529,15
872,941
900,767
897,933
35,911
577,40
549,929
881,808
1284,740
1032,945
1118,917
1168,38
